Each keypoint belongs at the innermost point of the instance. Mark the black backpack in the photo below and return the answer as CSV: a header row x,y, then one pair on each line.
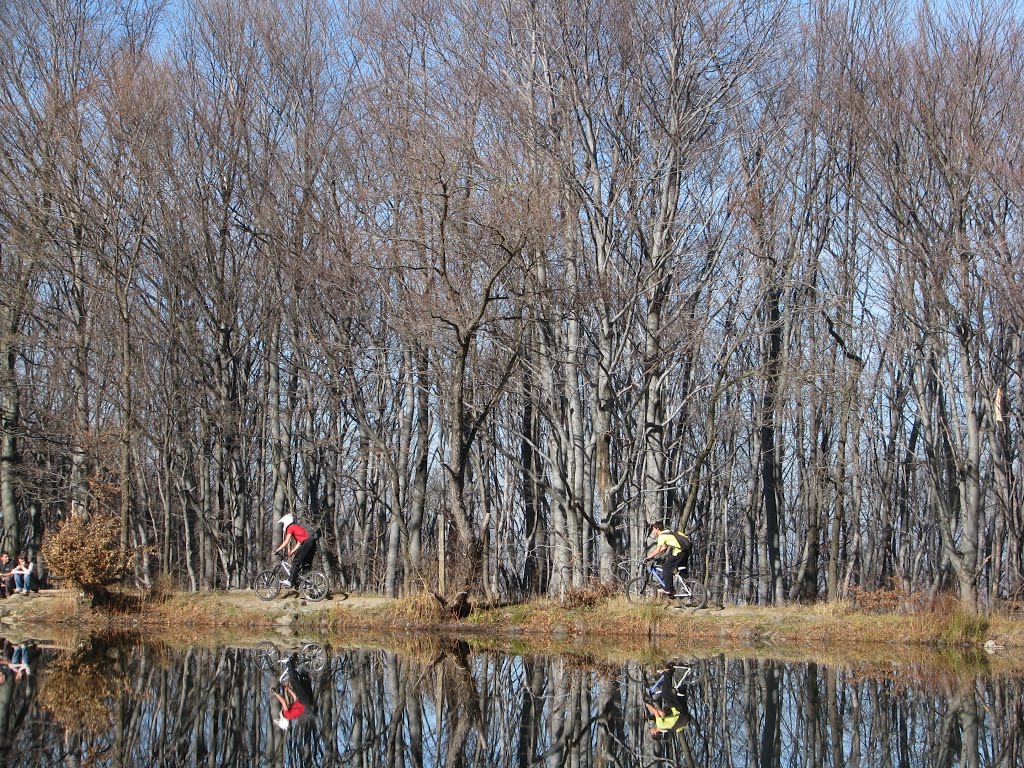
x,y
685,545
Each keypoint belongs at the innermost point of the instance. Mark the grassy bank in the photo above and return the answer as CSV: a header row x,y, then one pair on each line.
x,y
938,644
946,625
600,619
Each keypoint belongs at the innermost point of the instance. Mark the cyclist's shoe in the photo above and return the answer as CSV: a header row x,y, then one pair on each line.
x,y
663,591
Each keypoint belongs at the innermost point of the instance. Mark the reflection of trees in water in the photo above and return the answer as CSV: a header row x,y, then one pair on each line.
x,y
445,706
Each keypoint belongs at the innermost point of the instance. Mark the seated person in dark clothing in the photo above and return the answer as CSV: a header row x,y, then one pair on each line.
x,y
6,575
295,697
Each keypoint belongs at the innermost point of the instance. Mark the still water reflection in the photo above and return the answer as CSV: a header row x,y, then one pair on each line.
x,y
443,704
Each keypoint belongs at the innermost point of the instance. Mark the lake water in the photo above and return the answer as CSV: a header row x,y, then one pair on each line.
x,y
439,702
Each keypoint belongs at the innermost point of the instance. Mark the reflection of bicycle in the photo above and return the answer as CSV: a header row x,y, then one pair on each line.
x,y
679,672
678,675
644,588
312,584
311,657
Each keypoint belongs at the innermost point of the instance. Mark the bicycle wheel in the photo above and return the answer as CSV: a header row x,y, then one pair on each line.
x,y
640,591
266,585
313,657
687,673
690,592
266,654
315,586
635,672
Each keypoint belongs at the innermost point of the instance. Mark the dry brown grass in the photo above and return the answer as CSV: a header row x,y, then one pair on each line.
x,y
942,623
203,610
63,610
895,600
593,593
421,608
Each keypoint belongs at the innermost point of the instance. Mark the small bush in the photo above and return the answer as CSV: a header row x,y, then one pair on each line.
x,y
422,607
589,595
161,590
894,600
88,552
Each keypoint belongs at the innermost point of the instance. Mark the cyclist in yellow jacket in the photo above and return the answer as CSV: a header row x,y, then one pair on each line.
x,y
674,549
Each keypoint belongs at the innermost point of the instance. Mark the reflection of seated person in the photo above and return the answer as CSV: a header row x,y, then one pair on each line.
x,y
668,708
295,697
17,665
5,659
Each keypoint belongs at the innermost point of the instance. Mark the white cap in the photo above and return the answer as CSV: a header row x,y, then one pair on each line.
x,y
287,520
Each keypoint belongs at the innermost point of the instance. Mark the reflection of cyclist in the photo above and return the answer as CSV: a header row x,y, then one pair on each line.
x,y
674,549
295,696
301,546
668,708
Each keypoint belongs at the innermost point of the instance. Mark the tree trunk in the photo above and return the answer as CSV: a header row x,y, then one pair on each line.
x,y
770,451
418,493
10,424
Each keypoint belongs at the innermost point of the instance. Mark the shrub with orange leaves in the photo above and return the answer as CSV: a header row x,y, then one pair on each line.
x,y
88,552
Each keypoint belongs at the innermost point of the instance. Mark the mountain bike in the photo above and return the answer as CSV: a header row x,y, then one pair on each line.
x,y
313,585
311,657
643,590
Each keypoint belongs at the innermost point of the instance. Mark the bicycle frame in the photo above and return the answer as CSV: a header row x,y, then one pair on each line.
x,y
656,572
285,568
686,591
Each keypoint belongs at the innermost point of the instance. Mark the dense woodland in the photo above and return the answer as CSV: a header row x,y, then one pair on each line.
x,y
124,707
482,288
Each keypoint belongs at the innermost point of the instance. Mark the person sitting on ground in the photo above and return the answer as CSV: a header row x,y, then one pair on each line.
x,y
6,575
23,575
300,545
674,549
